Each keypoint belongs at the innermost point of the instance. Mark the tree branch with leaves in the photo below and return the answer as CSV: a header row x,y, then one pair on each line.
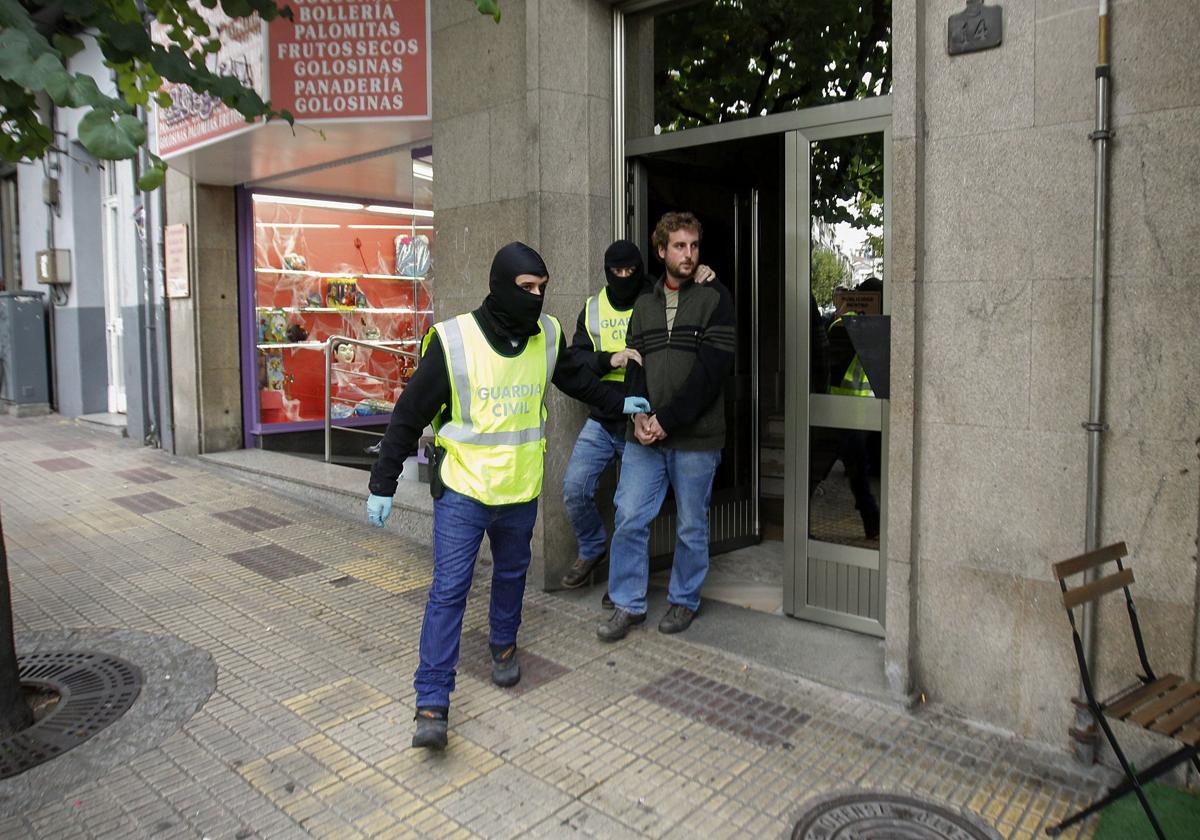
x,y
39,38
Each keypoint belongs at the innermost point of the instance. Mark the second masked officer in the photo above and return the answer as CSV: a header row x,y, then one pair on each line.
x,y
482,382
599,343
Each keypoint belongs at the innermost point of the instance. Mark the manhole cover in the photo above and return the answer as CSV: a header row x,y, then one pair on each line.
x,y
886,816
95,690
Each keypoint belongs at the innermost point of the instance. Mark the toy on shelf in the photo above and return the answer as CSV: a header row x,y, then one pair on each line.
x,y
344,352
341,293
295,262
272,325
275,374
296,333
412,255
373,406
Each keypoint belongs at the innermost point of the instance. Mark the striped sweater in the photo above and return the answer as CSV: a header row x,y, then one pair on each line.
x,y
684,370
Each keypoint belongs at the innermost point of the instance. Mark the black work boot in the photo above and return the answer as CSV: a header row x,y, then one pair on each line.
x,y
618,624
431,727
580,572
677,619
606,602
506,668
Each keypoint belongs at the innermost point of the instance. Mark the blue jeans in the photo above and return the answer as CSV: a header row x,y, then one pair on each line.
x,y
595,449
645,473
459,523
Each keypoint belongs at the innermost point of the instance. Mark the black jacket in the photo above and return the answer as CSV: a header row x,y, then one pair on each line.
x,y
428,394
684,369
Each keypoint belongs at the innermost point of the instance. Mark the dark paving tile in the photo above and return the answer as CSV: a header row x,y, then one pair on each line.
x,y
344,580
475,659
252,519
144,475
60,464
275,562
147,502
725,707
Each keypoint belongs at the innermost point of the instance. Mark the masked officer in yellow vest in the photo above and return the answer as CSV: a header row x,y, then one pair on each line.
x,y
599,342
481,383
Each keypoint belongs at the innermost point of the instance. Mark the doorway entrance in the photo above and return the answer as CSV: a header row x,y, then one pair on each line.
x,y
114,323
795,225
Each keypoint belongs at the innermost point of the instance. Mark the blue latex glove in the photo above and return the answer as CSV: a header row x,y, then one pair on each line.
x,y
378,508
637,405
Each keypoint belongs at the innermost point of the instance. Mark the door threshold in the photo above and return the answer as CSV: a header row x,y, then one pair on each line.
x,y
836,658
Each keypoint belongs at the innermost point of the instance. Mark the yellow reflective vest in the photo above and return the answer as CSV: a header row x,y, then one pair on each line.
x,y
606,326
495,437
854,382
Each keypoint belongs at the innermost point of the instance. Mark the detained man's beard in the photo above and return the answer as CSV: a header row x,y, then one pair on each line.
x,y
677,272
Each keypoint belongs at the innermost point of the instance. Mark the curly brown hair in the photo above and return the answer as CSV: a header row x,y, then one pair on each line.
x,y
671,222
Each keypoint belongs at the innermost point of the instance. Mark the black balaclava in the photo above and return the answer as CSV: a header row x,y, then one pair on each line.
x,y
508,309
623,291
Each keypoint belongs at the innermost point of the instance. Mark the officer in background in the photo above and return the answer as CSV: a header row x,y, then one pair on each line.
x,y
849,378
599,344
481,383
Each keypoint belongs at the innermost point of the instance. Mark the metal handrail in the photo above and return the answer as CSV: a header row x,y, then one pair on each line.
x,y
374,345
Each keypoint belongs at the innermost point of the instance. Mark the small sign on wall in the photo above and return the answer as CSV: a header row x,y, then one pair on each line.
x,y
175,258
978,27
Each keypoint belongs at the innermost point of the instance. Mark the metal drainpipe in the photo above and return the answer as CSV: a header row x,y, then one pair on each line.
x,y
1085,726
146,303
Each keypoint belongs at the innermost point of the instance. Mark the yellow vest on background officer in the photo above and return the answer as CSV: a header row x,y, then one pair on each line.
x,y
482,384
854,382
606,325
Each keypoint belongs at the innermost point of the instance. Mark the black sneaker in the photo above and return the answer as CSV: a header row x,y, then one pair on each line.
x,y
606,602
617,626
506,668
580,572
431,729
677,619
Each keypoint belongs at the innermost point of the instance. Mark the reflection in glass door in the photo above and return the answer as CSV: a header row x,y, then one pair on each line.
x,y
839,305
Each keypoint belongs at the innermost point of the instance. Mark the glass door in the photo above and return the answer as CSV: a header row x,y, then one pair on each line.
x,y
836,438
114,324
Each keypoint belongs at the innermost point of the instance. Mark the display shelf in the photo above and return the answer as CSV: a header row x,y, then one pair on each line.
x,y
315,345
310,425
382,310
350,274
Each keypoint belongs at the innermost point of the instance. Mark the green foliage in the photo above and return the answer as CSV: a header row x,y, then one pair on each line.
x,y
827,272
39,36
725,60
490,8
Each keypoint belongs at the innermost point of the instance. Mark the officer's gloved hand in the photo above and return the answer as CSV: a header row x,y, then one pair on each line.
x,y
378,508
637,405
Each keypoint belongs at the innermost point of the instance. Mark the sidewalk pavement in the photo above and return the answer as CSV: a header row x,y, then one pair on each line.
x,y
312,622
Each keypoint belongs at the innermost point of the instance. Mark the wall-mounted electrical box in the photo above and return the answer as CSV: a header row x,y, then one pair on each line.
x,y
54,266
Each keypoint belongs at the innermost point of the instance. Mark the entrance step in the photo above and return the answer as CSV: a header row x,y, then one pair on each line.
x,y
333,487
776,428
107,421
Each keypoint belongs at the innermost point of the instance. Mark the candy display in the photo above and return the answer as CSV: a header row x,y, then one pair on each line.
x,y
326,272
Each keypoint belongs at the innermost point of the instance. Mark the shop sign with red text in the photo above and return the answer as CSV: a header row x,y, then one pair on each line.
x,y
193,118
345,59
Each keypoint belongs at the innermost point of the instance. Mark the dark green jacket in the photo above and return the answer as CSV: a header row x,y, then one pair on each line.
x,y
683,372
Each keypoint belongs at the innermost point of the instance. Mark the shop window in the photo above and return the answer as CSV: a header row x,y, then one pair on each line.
x,y
329,269
718,61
